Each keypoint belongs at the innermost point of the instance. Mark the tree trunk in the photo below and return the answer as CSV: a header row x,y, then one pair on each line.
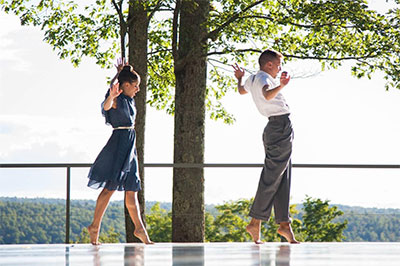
x,y
137,32
191,76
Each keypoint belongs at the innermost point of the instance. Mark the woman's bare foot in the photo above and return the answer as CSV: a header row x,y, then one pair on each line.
x,y
94,235
254,230
142,235
285,230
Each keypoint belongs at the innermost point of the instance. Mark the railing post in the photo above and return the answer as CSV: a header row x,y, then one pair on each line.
x,y
68,205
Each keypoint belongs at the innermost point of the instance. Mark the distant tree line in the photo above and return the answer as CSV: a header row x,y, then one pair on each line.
x,y
34,221
228,224
31,221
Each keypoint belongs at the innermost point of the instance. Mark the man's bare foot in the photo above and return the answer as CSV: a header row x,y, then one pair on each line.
x,y
285,230
94,235
142,235
254,231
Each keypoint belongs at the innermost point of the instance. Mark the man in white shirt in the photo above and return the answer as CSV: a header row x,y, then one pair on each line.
x,y
274,185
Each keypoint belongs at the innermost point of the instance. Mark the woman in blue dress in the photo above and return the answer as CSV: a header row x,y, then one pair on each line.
x,y
116,167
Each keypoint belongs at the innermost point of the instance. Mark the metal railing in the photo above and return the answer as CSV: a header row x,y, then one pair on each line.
x,y
68,167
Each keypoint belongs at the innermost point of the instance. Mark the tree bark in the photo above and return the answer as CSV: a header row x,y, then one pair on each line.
x,y
137,32
191,76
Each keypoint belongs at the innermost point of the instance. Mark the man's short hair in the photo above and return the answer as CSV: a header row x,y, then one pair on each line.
x,y
268,56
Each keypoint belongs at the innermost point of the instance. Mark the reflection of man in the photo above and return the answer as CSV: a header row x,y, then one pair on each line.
x,y
283,256
261,256
274,185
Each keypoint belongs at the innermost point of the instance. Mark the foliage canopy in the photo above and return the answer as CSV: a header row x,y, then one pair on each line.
x,y
328,31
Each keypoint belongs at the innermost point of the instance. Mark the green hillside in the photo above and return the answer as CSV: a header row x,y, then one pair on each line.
x,y
26,221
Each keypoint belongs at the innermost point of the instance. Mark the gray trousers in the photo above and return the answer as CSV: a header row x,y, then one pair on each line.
x,y
274,185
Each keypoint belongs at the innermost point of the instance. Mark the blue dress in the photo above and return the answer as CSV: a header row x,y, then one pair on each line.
x,y
116,167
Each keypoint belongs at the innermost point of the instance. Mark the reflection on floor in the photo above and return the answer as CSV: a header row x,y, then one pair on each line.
x,y
197,254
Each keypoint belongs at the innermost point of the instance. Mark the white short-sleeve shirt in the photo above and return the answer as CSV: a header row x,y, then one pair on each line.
x,y
276,106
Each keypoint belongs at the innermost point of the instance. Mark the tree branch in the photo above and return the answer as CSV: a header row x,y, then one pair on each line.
x,y
296,24
209,60
159,51
296,56
175,31
213,34
231,51
154,71
166,9
156,8
123,25
330,59
371,65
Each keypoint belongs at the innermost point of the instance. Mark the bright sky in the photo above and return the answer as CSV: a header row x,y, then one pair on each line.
x,y
50,112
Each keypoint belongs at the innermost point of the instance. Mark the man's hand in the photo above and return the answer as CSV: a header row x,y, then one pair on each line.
x,y
270,94
285,78
239,72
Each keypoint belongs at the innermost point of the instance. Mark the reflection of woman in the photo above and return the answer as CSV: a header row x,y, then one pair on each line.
x,y
116,167
265,256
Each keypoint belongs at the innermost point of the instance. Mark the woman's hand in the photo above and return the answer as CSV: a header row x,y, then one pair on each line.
x,y
115,91
121,63
110,102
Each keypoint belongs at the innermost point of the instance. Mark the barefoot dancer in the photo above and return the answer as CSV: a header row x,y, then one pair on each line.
x,y
116,167
274,185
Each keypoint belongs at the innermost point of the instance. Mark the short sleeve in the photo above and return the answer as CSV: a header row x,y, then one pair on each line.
x,y
105,113
264,80
249,83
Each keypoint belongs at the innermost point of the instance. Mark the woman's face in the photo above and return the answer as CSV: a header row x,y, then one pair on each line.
x,y
130,89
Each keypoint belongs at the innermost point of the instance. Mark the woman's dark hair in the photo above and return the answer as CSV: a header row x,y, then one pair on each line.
x,y
127,74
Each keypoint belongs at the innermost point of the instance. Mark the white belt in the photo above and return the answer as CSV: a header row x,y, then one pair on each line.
x,y
131,127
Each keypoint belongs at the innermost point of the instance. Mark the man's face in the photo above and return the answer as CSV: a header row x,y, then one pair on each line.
x,y
275,67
